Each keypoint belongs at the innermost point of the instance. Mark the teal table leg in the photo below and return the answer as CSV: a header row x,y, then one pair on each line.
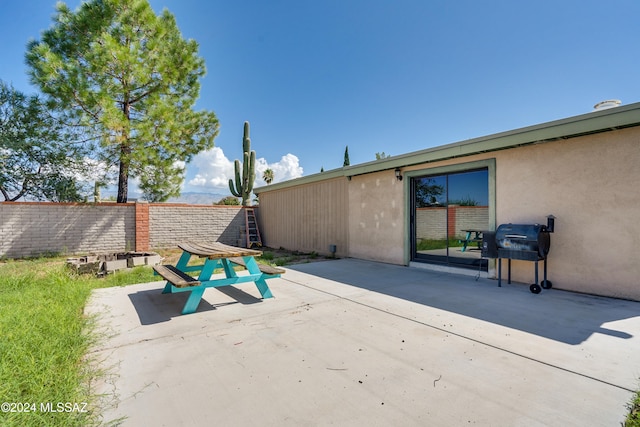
x,y
193,301
207,269
183,261
261,284
466,241
196,294
228,268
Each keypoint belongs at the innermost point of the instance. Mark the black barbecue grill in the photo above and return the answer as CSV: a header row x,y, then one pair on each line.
x,y
526,242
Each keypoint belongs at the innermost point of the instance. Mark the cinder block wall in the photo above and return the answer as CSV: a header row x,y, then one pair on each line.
x,y
29,229
170,224
35,228
432,223
471,218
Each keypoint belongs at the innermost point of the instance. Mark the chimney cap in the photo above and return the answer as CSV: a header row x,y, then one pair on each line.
x,y
609,103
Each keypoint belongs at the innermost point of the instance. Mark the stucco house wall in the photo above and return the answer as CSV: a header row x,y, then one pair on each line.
x,y
376,217
592,185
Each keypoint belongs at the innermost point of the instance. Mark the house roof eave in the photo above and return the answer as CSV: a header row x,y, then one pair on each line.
x,y
590,123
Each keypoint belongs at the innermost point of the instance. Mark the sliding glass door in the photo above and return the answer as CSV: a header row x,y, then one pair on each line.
x,y
449,213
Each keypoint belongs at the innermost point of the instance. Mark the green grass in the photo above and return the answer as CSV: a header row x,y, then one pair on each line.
x,y
633,420
45,337
432,244
283,261
268,256
283,257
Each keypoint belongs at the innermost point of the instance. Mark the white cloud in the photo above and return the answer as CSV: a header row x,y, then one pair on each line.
x,y
211,171
287,168
98,170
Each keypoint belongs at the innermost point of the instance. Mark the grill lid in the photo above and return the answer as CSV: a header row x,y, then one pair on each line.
x,y
523,237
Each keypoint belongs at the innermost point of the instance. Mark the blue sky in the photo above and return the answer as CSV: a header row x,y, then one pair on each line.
x,y
391,76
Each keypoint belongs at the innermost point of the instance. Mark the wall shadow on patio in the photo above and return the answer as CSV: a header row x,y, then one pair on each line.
x,y
554,314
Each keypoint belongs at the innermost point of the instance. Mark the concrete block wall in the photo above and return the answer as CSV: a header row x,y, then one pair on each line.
x,y
35,228
171,224
29,229
432,223
471,218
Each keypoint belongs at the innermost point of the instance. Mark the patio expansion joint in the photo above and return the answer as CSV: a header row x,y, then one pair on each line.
x,y
447,331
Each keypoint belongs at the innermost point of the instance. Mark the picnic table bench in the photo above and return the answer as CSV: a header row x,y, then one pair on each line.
x,y
217,255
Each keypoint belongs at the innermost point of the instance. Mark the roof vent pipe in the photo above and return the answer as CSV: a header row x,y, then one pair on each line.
x,y
605,105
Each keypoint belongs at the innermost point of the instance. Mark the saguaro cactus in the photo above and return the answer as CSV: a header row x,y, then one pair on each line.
x,y
244,182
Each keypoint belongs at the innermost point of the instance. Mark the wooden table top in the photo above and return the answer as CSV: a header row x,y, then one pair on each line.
x,y
217,250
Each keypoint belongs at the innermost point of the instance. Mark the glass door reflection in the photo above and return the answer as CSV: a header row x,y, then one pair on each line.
x,y
450,211
430,200
467,216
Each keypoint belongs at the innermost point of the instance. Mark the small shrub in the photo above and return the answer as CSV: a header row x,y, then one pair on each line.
x,y
229,201
282,261
465,201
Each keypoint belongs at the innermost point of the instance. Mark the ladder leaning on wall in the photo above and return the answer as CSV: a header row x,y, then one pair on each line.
x,y
253,233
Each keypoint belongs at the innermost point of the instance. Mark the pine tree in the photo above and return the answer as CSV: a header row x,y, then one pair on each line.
x,y
130,81
38,158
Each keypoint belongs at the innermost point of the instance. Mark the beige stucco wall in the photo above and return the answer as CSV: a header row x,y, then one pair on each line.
x,y
592,185
376,217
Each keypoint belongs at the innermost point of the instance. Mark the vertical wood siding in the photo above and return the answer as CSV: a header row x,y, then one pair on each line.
x,y
306,218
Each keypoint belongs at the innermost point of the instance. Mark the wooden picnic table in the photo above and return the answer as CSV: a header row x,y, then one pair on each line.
x,y
216,255
476,238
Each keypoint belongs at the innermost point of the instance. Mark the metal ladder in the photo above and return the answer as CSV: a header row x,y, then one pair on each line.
x,y
253,233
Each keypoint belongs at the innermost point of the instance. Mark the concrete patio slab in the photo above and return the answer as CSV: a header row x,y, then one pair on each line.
x,y
352,342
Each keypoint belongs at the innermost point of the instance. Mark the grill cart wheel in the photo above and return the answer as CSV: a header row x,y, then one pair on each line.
x,y
546,284
535,289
